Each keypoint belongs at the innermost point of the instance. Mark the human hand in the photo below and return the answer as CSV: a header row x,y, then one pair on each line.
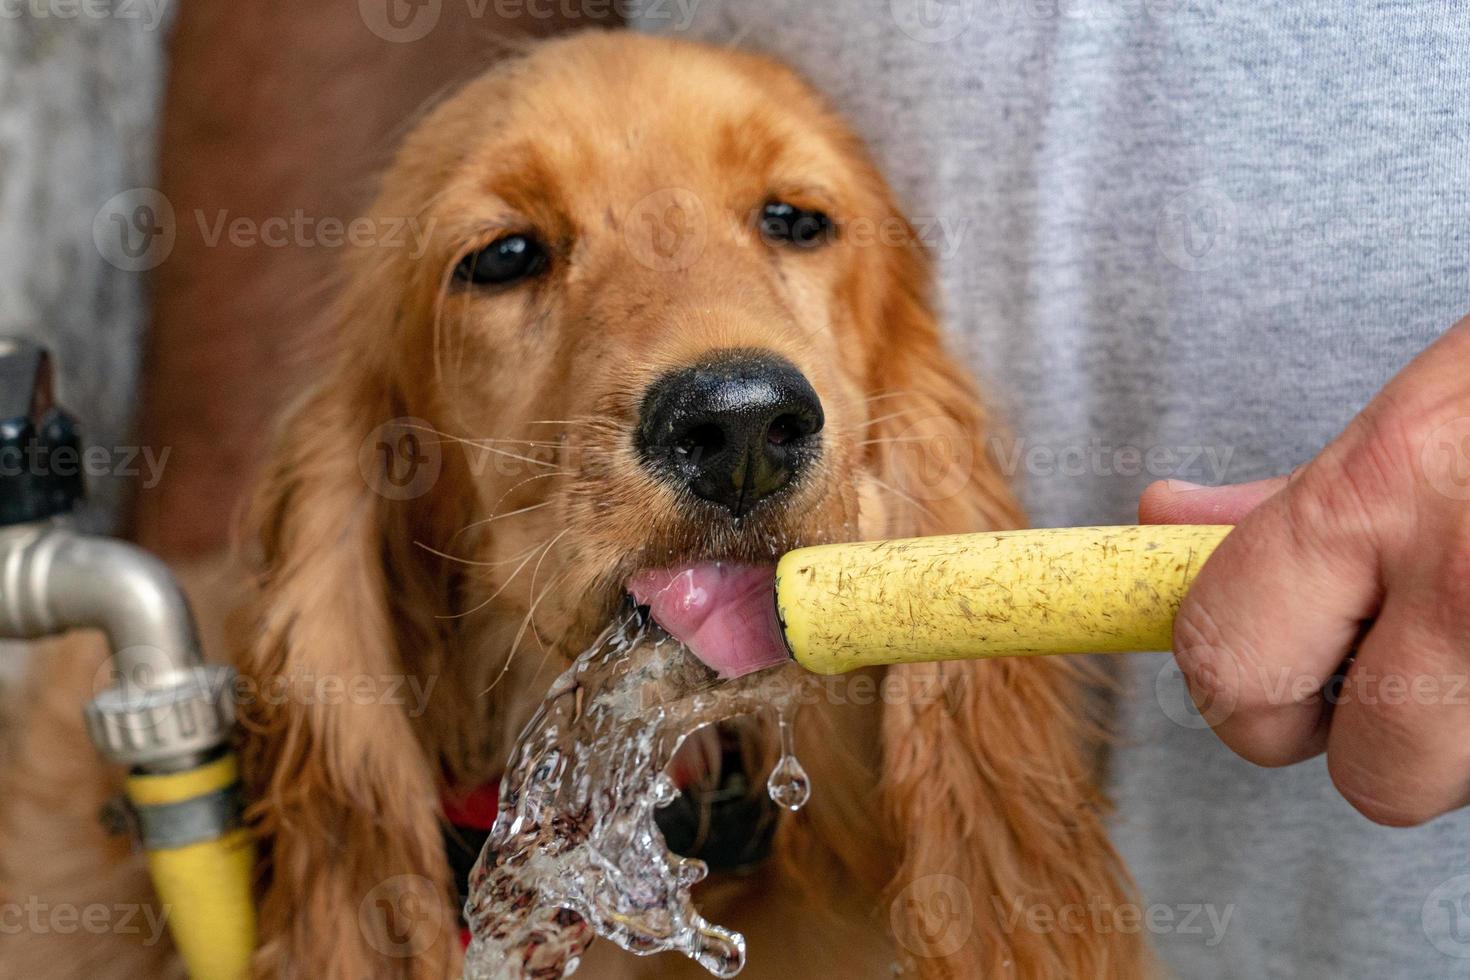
x,y
1358,564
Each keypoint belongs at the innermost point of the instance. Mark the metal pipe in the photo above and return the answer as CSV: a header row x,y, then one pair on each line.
x,y
53,580
165,708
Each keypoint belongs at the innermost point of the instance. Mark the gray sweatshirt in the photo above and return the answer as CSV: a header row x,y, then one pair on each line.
x,y
1189,239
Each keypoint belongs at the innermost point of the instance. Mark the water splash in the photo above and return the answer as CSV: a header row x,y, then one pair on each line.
x,y
575,851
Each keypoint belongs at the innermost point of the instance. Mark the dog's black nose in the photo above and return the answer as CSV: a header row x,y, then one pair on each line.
x,y
735,428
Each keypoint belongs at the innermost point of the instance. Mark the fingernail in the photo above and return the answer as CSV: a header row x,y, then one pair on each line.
x,y
1183,486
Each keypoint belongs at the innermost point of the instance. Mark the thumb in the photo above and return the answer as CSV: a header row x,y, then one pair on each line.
x,y
1178,502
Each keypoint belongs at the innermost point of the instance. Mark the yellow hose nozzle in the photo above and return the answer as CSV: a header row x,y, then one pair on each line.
x,y
1001,594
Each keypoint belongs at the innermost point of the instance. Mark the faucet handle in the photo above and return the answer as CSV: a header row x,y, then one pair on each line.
x,y
40,447
25,379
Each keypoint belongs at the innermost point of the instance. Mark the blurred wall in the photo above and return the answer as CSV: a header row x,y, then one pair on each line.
x,y
79,98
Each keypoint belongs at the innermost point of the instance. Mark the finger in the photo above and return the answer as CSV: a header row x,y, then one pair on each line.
x,y
1272,616
1179,502
1399,746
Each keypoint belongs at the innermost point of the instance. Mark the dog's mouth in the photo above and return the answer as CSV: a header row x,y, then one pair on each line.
x,y
724,613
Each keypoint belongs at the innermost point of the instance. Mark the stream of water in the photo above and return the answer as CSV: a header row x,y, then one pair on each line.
x,y
575,852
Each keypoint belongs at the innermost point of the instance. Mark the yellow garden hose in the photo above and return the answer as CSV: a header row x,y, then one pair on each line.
x,y
202,876
971,596
167,716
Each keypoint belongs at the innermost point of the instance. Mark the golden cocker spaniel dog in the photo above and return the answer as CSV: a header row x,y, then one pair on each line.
x,y
663,310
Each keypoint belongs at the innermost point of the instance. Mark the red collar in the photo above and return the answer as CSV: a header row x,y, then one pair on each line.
x,y
475,809
469,817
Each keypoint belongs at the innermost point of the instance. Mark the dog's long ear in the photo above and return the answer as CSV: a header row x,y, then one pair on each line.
x,y
987,779
346,652
930,438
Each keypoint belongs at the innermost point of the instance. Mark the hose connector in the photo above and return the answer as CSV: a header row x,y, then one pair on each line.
x,y
162,729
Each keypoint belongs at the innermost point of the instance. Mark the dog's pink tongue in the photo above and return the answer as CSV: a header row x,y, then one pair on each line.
x,y
725,614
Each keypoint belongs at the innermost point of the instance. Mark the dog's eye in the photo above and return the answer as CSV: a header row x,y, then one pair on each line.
x,y
804,228
504,260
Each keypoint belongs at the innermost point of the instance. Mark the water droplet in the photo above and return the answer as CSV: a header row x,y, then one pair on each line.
x,y
720,951
664,791
691,871
788,785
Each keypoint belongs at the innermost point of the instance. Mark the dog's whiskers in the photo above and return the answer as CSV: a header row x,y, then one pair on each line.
x,y
529,624
540,444
900,494
496,517
506,584
481,444
472,562
889,417
870,399
885,440
525,623
530,613
530,479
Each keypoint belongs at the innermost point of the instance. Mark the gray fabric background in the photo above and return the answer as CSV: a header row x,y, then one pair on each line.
x,y
1207,231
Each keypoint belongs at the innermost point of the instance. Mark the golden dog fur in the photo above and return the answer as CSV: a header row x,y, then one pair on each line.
x,y
642,163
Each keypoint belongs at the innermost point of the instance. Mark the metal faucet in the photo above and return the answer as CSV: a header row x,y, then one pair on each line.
x,y
168,716
166,709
